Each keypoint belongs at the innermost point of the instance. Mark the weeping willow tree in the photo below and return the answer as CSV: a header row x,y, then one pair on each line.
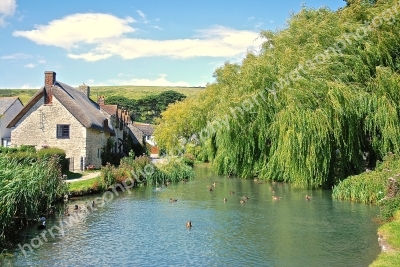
x,y
319,103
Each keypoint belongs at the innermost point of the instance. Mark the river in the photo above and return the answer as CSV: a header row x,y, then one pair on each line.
x,y
144,228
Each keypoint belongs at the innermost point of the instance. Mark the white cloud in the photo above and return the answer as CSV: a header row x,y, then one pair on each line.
x,y
214,42
16,56
251,18
28,86
258,25
161,81
156,27
271,21
7,8
143,16
90,56
72,30
42,61
30,65
94,37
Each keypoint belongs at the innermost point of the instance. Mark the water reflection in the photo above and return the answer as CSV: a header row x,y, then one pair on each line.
x,y
146,229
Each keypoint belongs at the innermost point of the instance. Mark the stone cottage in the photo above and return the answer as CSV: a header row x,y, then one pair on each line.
x,y
9,107
59,115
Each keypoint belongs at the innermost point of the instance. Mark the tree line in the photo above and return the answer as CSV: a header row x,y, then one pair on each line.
x,y
146,109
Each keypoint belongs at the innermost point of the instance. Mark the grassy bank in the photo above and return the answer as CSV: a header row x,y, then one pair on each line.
x,y
140,170
391,233
379,187
85,187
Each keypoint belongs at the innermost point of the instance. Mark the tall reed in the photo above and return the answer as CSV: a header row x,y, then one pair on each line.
x,y
27,188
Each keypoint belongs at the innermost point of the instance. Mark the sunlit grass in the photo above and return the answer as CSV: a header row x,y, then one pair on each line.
x,y
85,186
391,233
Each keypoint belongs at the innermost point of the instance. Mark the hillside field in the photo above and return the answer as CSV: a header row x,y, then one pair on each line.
x,y
128,91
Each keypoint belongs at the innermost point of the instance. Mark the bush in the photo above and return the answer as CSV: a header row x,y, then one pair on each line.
x,y
49,151
188,159
388,207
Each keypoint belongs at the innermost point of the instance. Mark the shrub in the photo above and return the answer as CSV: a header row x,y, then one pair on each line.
x,y
107,175
388,207
188,159
49,151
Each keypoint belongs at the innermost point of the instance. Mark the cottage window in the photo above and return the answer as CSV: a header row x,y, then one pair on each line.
x,y
62,131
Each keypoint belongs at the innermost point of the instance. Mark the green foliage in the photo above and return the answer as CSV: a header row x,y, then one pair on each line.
x,y
391,233
50,151
371,186
365,188
85,187
148,108
388,207
107,175
172,171
188,159
27,188
107,154
145,172
314,130
23,94
138,92
5,150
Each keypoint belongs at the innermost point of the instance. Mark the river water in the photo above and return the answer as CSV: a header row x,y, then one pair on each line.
x,y
145,228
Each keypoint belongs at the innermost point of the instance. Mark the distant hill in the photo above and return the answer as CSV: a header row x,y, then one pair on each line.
x,y
128,91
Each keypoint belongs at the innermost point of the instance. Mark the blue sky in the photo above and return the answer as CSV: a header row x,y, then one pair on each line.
x,y
121,42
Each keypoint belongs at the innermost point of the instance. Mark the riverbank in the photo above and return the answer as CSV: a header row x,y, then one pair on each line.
x,y
389,241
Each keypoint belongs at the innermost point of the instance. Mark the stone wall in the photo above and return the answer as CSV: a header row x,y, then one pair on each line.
x,y
94,143
38,127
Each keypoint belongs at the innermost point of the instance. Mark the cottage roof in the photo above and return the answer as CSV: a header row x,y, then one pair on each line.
x,y
110,109
147,129
6,103
86,111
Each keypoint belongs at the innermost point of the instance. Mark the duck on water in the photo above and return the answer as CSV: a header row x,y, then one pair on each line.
x,y
42,223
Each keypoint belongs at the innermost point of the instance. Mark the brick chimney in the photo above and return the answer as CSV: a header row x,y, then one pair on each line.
x,y
100,100
49,78
85,89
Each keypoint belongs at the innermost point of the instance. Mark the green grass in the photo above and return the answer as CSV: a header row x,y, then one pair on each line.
x,y
85,186
23,94
138,92
391,233
128,91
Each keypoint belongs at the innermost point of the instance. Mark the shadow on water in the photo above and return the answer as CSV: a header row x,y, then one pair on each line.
x,y
145,228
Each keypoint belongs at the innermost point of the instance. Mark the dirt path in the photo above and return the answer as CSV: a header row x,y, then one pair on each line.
x,y
85,177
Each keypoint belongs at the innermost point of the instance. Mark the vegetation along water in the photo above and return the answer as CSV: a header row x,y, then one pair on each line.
x,y
324,118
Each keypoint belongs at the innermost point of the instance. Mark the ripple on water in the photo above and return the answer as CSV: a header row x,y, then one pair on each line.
x,y
145,229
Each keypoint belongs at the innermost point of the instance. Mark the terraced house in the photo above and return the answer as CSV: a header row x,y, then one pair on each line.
x,y
62,116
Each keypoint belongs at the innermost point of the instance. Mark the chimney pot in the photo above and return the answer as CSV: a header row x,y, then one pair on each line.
x,y
49,78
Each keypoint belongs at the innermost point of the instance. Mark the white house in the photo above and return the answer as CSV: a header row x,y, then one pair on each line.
x,y
9,107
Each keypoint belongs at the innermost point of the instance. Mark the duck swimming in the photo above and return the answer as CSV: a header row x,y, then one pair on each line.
x,y
42,224
173,200
188,224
